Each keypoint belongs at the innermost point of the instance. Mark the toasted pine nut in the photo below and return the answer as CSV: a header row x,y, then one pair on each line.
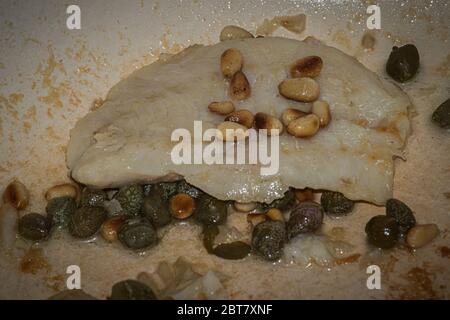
x,y
306,126
322,110
307,67
266,121
110,227
254,219
223,108
299,89
182,206
304,194
17,195
239,86
242,116
290,114
421,234
245,206
232,131
234,32
62,190
275,214
231,62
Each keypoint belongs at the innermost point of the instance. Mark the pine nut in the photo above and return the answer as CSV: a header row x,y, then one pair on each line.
x,y
62,190
232,131
307,67
245,206
17,195
239,86
275,214
299,89
268,122
290,114
303,195
421,234
110,227
306,126
231,62
322,110
254,219
242,116
182,206
223,108
234,32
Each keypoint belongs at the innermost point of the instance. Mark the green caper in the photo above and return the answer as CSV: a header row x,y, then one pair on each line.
x,y
284,203
184,187
156,210
402,214
232,251
403,63
93,197
305,217
382,232
210,233
137,234
441,116
335,203
59,210
210,211
86,221
268,239
164,189
131,290
34,226
131,198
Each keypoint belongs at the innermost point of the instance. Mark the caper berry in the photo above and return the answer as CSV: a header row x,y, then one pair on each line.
x,y
86,221
335,203
305,217
284,203
93,197
441,116
210,211
137,234
232,251
131,198
59,210
403,63
401,213
131,290
34,226
382,232
268,239
156,210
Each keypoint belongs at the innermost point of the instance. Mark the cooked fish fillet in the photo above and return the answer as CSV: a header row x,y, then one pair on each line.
x,y
128,138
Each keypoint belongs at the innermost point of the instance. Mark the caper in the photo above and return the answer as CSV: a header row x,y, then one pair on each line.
x,y
156,210
284,203
59,210
210,211
268,239
210,233
403,63
131,198
442,115
137,234
305,217
335,203
86,221
233,250
93,197
34,226
184,187
401,213
164,189
382,232
131,290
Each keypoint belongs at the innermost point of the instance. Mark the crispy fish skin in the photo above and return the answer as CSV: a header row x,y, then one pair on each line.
x,y
128,138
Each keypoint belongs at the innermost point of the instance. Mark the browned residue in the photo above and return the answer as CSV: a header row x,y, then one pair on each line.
x,y
444,68
444,251
350,259
33,261
419,285
97,103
